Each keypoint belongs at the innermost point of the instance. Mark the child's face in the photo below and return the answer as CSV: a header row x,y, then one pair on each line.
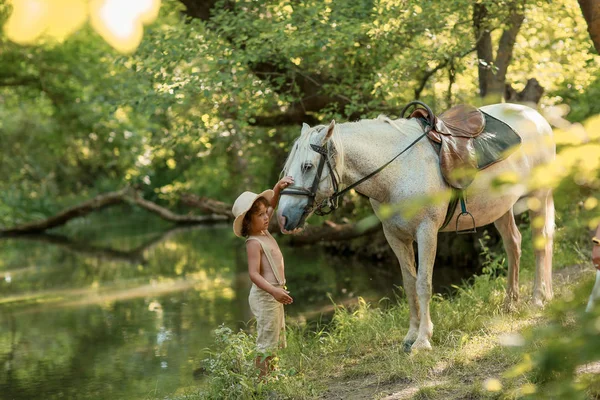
x,y
259,220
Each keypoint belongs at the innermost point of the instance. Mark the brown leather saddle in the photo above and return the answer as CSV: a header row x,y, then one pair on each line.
x,y
455,130
467,140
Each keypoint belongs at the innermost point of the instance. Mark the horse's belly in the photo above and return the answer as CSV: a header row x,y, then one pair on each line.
x,y
484,211
487,201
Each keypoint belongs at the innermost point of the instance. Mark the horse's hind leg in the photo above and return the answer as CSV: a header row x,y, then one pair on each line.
x,y
542,227
511,239
406,257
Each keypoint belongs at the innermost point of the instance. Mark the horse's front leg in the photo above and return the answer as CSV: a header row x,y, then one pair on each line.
x,y
427,245
403,249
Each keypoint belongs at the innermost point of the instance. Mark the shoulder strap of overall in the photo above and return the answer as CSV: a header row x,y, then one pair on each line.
x,y
269,258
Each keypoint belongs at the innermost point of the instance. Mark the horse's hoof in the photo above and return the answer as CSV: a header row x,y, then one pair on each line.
x,y
538,303
509,307
421,345
407,346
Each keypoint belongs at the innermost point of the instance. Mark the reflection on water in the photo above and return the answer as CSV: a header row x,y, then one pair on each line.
x,y
128,313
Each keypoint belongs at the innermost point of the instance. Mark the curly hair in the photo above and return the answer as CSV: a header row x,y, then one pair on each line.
x,y
252,211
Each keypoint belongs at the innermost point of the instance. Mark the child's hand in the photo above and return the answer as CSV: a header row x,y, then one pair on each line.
x,y
282,296
285,182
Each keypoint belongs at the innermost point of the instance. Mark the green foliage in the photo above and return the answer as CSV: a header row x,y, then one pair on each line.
x,y
230,371
492,262
556,354
184,113
230,367
582,102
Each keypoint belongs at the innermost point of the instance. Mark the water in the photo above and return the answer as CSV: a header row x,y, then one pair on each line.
x,y
125,310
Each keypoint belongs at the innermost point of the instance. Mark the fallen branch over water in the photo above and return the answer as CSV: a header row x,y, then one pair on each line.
x,y
330,232
126,195
207,205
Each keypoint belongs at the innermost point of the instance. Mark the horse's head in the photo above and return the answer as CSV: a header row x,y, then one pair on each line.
x,y
312,163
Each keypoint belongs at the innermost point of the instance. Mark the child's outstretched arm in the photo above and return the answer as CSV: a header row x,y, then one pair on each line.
x,y
253,249
279,186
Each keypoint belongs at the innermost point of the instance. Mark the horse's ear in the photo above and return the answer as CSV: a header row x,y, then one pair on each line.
x,y
329,131
305,128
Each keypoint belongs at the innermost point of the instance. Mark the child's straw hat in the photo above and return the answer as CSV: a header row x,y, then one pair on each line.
x,y
243,204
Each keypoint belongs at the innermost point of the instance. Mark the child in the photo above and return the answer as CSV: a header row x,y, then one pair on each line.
x,y
265,265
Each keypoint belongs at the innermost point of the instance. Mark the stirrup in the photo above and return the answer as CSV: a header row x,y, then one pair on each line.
x,y
464,214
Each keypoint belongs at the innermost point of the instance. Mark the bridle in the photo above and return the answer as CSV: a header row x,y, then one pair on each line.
x,y
330,204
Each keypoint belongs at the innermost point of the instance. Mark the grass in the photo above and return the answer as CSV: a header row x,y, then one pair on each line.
x,y
480,352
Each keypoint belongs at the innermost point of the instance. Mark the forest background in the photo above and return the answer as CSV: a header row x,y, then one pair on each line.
x,y
216,92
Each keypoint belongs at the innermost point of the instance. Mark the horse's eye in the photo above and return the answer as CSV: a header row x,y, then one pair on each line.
x,y
306,167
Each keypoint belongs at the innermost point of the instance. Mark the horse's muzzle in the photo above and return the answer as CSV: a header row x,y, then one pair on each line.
x,y
290,219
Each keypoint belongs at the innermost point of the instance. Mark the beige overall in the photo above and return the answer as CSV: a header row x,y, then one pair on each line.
x,y
270,321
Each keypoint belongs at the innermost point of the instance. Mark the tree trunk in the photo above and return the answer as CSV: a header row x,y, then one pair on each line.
x,y
591,13
485,53
492,71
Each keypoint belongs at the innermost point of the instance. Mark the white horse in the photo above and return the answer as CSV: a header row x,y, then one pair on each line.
x,y
353,150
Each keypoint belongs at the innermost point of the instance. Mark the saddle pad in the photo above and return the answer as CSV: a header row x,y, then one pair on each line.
x,y
497,141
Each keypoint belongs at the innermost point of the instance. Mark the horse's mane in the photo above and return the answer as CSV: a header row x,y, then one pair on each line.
x,y
301,149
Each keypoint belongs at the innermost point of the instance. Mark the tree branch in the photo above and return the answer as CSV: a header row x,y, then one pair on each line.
x,y
27,81
441,65
330,232
591,14
285,119
207,205
103,201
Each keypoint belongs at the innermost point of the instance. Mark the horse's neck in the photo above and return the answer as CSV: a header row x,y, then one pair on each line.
x,y
368,148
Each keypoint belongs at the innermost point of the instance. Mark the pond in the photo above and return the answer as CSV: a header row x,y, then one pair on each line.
x,y
126,310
